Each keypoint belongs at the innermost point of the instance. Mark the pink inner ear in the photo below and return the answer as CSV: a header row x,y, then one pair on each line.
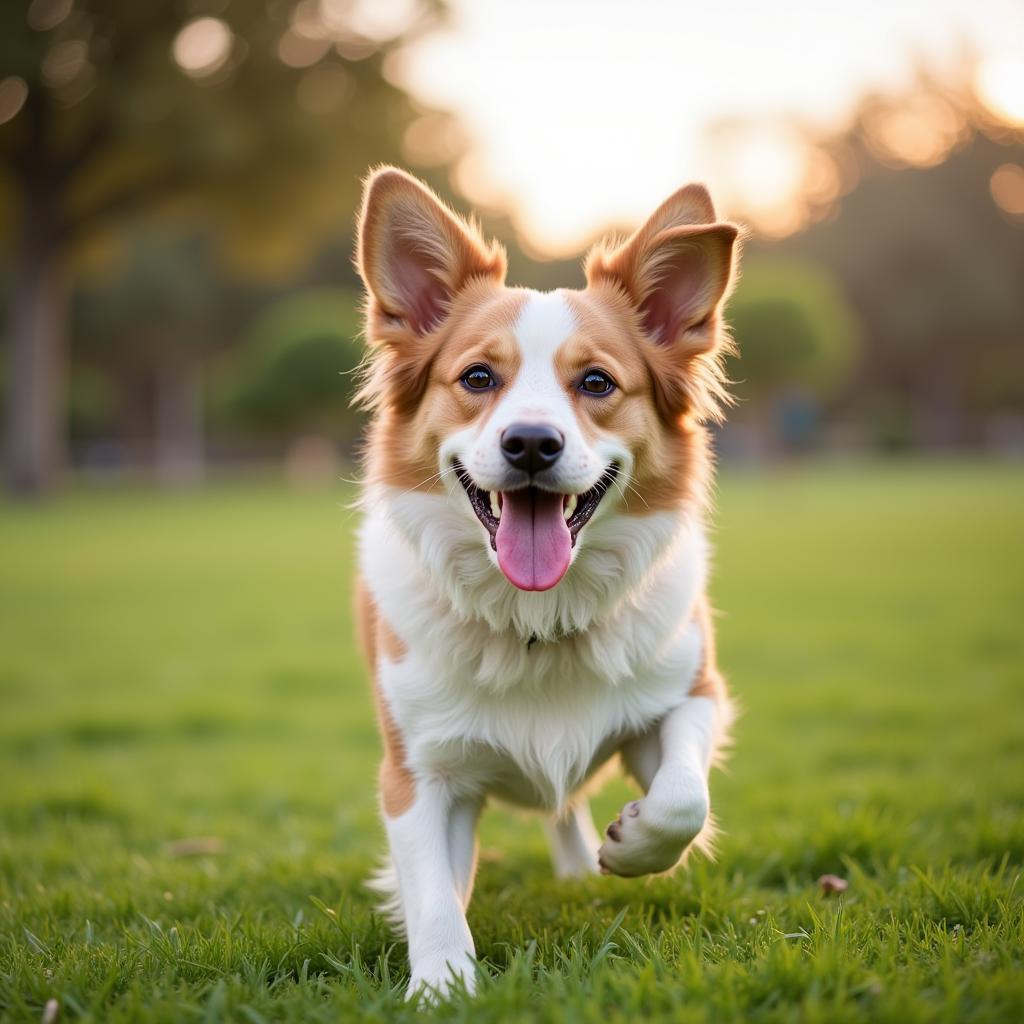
x,y
681,298
423,298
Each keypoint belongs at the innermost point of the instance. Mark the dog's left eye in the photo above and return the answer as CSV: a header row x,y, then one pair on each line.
x,y
596,382
478,378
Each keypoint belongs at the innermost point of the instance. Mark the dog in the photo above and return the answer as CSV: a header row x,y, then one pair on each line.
x,y
533,560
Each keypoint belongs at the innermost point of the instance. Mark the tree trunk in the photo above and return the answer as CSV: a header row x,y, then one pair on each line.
x,y
179,420
37,354
37,369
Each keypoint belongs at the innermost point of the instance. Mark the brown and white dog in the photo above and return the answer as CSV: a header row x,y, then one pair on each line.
x,y
533,557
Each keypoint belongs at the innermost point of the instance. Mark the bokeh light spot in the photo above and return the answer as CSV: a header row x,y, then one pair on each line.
x,y
13,93
919,132
64,62
203,46
1007,187
300,51
44,15
377,19
308,21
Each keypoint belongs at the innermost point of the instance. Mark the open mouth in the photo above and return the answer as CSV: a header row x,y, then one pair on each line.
x,y
532,530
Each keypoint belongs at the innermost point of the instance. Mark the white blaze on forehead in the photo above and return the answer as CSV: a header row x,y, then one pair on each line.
x,y
536,394
544,324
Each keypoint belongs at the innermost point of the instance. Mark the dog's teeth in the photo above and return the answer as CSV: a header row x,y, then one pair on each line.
x,y
570,506
495,504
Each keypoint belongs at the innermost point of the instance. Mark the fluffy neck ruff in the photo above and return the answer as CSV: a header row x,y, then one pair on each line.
x,y
618,557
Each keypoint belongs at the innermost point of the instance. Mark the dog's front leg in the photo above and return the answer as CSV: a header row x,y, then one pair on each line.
x,y
421,841
671,763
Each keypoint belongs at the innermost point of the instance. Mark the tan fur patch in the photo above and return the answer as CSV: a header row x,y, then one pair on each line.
x,y
397,785
683,234
404,440
708,682
390,643
671,451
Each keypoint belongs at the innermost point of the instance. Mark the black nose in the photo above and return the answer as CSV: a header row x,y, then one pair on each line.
x,y
532,446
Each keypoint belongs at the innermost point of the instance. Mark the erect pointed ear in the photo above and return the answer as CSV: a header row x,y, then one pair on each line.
x,y
675,269
414,254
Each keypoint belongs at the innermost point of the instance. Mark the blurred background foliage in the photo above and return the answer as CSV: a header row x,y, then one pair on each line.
x,y
286,374
178,184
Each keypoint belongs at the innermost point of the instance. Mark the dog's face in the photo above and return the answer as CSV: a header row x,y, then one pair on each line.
x,y
538,412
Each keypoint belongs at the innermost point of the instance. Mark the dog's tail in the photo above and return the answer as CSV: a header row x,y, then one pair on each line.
x,y
384,882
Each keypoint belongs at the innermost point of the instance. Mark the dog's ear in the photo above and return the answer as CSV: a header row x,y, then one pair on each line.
x,y
675,270
414,254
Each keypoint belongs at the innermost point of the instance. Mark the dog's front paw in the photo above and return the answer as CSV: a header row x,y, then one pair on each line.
x,y
439,975
649,835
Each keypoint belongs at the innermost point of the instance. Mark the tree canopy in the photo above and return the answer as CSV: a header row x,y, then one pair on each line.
x,y
253,120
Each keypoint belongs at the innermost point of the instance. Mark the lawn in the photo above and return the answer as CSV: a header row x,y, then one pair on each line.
x,y
187,759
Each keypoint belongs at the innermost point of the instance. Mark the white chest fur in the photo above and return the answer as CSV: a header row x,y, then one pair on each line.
x,y
614,646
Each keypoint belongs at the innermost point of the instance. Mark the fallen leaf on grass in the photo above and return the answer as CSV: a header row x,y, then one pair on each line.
x,y
832,883
195,846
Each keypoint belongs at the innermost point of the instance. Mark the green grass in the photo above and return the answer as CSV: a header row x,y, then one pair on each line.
x,y
173,668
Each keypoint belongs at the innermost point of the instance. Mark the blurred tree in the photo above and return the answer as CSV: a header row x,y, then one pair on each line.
x,y
795,329
295,360
256,120
797,339
931,263
149,331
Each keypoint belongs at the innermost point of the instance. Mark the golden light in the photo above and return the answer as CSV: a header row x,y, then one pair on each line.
x,y
760,173
999,84
1007,187
300,51
310,20
334,23
918,132
13,93
474,180
434,140
764,168
823,179
358,27
778,221
584,114
378,19
559,142
203,46
355,47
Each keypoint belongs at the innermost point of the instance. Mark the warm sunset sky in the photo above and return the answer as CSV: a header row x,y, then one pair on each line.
x,y
585,112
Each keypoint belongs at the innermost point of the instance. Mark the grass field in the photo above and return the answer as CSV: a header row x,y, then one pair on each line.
x,y
176,669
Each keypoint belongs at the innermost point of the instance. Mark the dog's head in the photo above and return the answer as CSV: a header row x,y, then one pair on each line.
x,y
539,411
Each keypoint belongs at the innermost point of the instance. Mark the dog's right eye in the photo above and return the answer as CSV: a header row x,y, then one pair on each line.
x,y
478,378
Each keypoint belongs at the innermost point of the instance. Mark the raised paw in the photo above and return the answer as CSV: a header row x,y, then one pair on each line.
x,y
650,836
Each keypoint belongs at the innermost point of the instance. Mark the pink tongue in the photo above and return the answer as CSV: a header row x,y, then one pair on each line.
x,y
533,540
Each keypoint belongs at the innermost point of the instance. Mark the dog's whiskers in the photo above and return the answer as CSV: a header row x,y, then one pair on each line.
x,y
620,485
433,478
637,492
